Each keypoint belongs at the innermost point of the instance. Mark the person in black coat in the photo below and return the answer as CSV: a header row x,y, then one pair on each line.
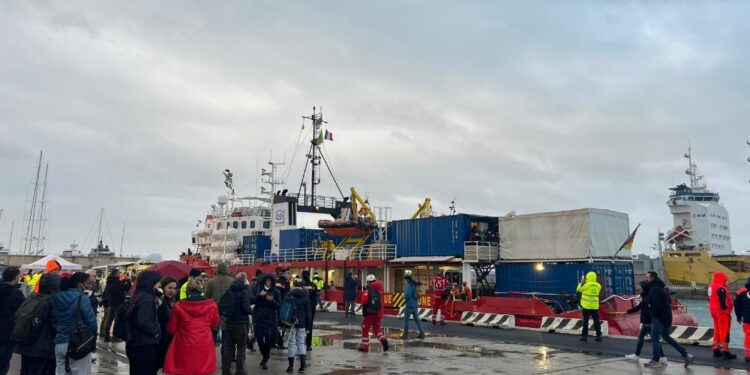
x,y
265,316
11,299
297,334
113,298
645,321
742,311
145,332
168,298
38,354
236,329
351,284
313,295
660,305
283,286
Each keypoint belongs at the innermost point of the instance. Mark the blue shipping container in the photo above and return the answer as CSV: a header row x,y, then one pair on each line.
x,y
298,238
563,278
435,236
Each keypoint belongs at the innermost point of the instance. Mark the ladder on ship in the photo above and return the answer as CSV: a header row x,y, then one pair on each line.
x,y
482,271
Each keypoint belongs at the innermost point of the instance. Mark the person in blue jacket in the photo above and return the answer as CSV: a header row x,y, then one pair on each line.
x,y
412,306
66,304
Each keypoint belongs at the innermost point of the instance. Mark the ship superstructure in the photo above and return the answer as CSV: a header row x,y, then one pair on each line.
x,y
700,220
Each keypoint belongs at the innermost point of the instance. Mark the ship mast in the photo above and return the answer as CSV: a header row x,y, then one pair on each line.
x,y
315,155
29,239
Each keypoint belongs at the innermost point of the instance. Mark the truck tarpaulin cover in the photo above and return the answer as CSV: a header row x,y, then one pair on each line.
x,y
577,234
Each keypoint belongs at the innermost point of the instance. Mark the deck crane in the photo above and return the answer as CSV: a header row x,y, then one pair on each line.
x,y
423,209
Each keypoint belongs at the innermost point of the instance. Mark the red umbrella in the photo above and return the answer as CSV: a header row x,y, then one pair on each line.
x,y
173,268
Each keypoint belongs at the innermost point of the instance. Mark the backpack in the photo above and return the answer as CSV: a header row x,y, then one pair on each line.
x,y
82,338
227,304
121,329
288,312
29,319
417,292
373,303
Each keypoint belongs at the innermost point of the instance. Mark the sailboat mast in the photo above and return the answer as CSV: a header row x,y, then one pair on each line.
x,y
40,228
122,239
10,241
32,210
99,234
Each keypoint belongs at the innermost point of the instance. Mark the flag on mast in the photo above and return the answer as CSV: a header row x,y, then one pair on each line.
x,y
628,244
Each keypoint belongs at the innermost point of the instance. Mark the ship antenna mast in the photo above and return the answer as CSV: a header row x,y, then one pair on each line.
x,y
315,155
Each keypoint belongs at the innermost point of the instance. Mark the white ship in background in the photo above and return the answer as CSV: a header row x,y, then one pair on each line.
x,y
700,220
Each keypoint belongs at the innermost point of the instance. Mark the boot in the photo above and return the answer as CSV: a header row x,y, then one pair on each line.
x,y
302,363
363,348
291,365
728,355
264,363
717,353
385,345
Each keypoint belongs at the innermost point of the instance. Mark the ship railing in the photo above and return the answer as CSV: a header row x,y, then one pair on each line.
x,y
244,259
367,252
303,254
481,251
317,201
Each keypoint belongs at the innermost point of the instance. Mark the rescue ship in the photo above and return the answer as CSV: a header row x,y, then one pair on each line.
x,y
527,266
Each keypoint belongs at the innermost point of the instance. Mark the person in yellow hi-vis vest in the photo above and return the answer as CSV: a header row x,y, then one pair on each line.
x,y
320,284
590,290
183,290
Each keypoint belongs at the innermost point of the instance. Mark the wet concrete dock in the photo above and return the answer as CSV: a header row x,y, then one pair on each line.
x,y
456,349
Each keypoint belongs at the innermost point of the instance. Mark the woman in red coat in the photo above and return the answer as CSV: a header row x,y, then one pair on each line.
x,y
192,349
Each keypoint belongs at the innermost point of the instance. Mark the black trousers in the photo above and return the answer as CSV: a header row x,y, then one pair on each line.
x,y
142,359
308,338
264,344
37,366
234,337
597,324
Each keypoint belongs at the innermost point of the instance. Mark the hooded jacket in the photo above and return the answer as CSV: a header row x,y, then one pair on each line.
x,y
241,294
265,316
311,288
11,299
643,305
44,346
379,287
144,323
220,283
350,287
659,302
303,307
719,299
192,349
590,292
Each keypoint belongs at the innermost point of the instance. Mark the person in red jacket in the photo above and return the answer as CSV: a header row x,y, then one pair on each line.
x,y
720,305
372,312
192,351
440,295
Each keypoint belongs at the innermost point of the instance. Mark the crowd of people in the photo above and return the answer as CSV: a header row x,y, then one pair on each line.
x,y
168,324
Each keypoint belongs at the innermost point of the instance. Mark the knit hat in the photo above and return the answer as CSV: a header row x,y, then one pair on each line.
x,y
53,265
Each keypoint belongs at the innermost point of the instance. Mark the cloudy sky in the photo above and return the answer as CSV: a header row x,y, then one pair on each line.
x,y
544,106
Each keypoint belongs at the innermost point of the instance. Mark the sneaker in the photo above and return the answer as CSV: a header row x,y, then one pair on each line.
x,y
654,364
717,353
664,360
633,357
404,336
689,360
598,339
421,336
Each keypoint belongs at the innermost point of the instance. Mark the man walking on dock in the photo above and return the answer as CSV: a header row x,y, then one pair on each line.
x,y
590,290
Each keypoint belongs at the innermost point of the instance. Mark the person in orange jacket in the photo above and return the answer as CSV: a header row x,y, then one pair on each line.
x,y
720,304
53,266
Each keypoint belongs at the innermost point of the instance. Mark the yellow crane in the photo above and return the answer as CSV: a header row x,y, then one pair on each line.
x,y
423,208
